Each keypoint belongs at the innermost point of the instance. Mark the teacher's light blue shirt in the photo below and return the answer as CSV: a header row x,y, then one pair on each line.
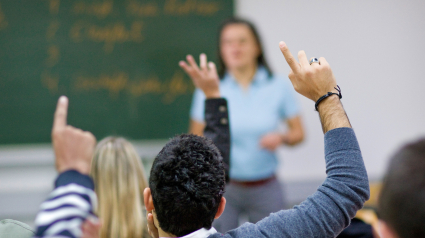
x,y
253,112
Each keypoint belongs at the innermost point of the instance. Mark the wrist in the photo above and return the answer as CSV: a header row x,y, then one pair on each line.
x,y
74,176
330,101
82,168
284,139
328,94
210,95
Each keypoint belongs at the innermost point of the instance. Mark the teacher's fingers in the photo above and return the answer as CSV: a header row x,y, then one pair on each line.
x,y
59,120
185,67
203,61
295,66
193,74
212,69
192,62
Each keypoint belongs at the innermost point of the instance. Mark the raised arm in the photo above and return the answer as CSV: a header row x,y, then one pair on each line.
x,y
73,199
217,129
329,210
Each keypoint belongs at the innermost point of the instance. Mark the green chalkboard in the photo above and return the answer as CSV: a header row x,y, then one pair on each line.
x,y
117,61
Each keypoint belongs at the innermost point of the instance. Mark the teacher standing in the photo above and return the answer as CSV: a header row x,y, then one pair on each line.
x,y
258,101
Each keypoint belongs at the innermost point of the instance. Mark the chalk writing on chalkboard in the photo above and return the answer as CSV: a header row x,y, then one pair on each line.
x,y
54,6
3,22
109,34
121,83
113,33
174,7
116,60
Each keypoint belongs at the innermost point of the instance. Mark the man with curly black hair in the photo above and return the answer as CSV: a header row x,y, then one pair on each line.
x,y
187,184
187,179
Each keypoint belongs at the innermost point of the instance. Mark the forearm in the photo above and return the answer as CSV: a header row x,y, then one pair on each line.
x,y
295,132
196,128
332,114
66,208
293,137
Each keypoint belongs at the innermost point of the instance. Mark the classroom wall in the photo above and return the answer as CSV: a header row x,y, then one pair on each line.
x,y
376,51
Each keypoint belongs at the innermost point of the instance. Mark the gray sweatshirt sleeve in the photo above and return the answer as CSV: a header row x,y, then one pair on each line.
x,y
329,210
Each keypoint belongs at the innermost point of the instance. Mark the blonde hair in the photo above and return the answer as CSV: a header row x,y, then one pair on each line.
x,y
119,180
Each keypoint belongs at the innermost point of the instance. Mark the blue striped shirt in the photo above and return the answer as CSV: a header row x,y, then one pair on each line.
x,y
67,207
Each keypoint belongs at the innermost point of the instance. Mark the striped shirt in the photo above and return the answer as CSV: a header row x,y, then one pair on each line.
x,y
67,206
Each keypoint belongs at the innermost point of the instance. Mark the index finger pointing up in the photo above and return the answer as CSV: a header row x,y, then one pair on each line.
x,y
295,66
61,113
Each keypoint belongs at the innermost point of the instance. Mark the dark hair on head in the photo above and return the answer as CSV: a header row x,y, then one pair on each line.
x,y
187,183
402,198
261,60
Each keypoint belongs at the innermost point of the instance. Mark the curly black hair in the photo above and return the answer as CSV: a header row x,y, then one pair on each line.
x,y
187,183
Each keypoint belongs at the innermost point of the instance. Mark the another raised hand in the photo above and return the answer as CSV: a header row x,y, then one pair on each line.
x,y
204,77
311,81
73,147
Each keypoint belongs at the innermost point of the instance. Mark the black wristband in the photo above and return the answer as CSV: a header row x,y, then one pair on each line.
x,y
327,95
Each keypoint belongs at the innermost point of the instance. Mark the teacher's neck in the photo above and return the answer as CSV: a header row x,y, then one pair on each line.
x,y
244,75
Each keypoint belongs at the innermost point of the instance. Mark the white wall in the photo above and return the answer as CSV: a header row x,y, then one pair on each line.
x,y
376,50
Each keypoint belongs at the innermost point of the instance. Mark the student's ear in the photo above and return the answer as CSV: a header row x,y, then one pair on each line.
x,y
386,231
147,197
220,209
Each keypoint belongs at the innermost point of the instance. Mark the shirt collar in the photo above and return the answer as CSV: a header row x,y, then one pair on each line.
x,y
201,233
261,76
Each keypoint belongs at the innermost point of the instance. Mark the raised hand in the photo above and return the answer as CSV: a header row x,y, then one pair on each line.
x,y
204,77
73,147
311,81
314,81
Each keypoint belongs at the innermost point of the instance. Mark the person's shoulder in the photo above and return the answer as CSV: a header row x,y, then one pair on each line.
x,y
246,230
16,229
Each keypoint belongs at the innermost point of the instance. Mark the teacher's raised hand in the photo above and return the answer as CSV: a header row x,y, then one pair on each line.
x,y
73,147
204,77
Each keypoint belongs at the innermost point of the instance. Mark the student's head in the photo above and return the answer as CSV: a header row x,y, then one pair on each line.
x,y
119,183
402,198
186,185
239,46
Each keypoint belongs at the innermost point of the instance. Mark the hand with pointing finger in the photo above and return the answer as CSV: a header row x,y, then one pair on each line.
x,y
204,77
73,147
311,81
